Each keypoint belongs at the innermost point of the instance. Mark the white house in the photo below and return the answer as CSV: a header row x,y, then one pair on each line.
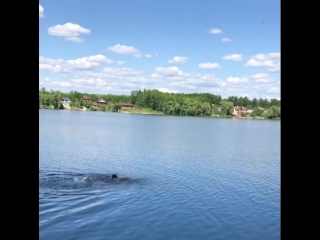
x,y
65,100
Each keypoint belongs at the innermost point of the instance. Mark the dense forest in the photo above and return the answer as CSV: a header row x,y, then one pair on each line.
x,y
182,104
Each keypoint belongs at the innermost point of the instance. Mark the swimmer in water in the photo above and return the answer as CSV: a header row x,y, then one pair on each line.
x,y
115,177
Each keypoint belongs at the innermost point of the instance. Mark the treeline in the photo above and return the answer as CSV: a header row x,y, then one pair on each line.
x,y
194,104
50,98
154,99
203,104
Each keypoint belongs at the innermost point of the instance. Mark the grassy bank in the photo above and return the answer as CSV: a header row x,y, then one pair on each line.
x,y
141,111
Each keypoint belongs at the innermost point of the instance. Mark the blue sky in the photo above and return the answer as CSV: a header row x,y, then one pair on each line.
x,y
230,48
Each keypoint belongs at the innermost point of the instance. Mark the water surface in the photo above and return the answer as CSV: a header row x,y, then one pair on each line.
x,y
191,178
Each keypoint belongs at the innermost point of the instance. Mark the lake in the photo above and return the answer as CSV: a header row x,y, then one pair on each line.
x,y
190,177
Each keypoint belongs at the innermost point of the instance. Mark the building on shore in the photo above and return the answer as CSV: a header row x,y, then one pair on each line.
x,y
238,111
86,99
100,103
125,105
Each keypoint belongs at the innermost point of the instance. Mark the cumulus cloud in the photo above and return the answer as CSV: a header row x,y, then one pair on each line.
x,y
160,72
61,66
69,31
178,59
52,68
120,72
198,83
215,31
93,74
123,49
209,65
88,62
120,63
233,57
237,80
267,88
50,83
41,11
115,79
262,78
185,81
148,56
226,40
270,61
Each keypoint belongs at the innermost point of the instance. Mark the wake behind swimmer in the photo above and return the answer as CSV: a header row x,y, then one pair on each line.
x,y
114,177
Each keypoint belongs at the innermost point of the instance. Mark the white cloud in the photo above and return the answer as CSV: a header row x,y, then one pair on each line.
x,y
123,49
262,78
69,31
233,57
88,62
74,39
268,88
269,61
52,65
120,72
237,80
44,79
120,63
61,66
50,61
187,82
52,68
85,75
178,59
160,72
41,11
116,78
215,31
226,40
148,56
198,82
49,83
209,65
273,90
166,90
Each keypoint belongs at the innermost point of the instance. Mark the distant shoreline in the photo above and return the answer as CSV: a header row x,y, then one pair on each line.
x,y
162,114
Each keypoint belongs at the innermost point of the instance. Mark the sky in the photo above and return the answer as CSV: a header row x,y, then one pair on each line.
x,y
223,47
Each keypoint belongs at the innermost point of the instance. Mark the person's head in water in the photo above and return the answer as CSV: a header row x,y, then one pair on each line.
x,y
114,176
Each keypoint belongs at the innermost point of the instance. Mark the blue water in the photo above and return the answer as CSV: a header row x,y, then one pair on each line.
x,y
191,178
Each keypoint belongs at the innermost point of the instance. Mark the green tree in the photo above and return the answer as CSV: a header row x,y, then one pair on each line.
x,y
227,107
254,103
257,112
272,112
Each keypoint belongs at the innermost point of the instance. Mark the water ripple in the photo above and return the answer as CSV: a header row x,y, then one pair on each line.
x,y
200,178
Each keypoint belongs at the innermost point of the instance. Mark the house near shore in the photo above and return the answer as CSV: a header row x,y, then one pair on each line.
x,y
65,101
238,111
99,103
86,99
125,105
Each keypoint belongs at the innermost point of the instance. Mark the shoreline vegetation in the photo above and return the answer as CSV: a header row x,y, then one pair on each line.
x,y
154,102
